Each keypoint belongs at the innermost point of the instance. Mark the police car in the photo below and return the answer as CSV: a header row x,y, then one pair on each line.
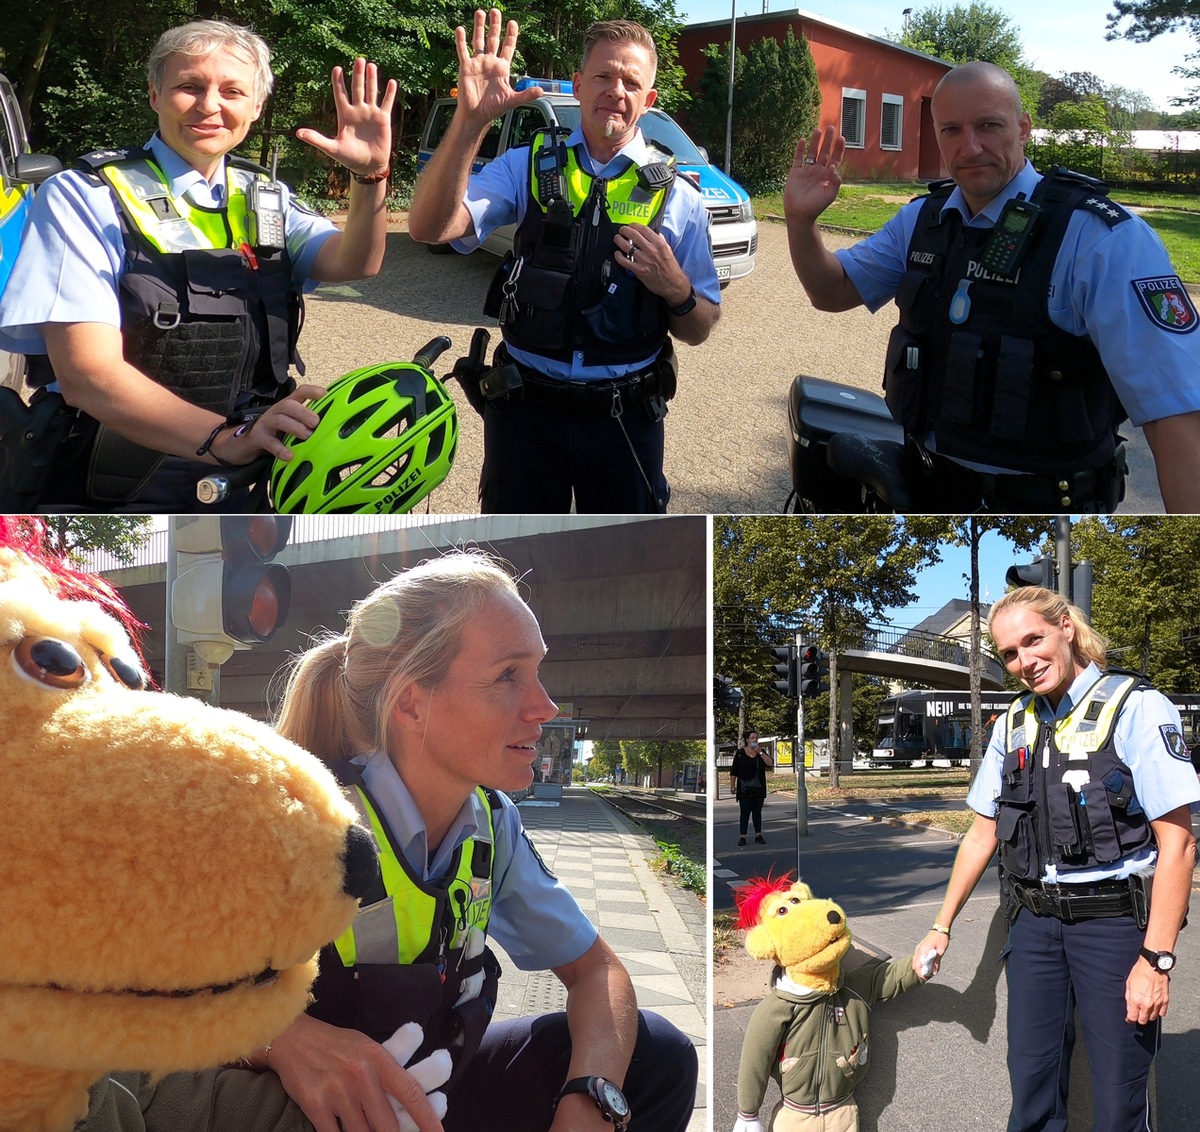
x,y
19,172
733,230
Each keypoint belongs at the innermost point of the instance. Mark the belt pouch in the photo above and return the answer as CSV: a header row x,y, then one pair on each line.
x,y
1106,843
961,379
1065,825
1013,389
1018,849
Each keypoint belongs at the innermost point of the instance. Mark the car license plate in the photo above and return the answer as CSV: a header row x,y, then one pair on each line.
x,y
724,272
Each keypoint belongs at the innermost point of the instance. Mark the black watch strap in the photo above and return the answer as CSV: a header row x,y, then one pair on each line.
x,y
1161,961
686,307
595,1087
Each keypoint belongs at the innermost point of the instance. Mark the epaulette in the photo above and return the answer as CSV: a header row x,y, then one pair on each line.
x,y
942,188
1109,211
1090,193
94,161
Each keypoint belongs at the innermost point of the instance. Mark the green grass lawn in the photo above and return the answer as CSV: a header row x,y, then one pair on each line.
x,y
867,207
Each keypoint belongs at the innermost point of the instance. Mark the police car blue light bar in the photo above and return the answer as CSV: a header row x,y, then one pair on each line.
x,y
550,86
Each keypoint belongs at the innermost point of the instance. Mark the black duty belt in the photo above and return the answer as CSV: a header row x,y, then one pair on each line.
x,y
1072,902
589,396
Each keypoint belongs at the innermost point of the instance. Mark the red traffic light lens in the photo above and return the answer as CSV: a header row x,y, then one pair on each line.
x,y
810,654
264,608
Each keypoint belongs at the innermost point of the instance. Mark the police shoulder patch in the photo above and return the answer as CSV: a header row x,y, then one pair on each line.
x,y
537,856
1176,747
1167,303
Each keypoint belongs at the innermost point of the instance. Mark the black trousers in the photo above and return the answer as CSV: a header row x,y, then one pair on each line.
x,y
537,458
511,1083
1054,971
750,806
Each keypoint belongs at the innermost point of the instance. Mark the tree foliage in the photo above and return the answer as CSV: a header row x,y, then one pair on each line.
x,y
1150,18
80,65
75,536
965,33
776,99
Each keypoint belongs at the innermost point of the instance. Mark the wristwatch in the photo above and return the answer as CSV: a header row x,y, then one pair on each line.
x,y
685,307
609,1099
1163,961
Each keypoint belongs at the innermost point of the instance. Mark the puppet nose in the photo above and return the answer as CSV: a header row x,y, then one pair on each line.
x,y
360,862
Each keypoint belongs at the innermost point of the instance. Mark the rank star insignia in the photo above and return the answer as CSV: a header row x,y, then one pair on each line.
x,y
1167,302
1098,204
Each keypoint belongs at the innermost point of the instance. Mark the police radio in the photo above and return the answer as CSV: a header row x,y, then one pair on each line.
x,y
1011,237
548,170
264,211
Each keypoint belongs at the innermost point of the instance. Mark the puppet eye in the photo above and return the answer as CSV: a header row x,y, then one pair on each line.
x,y
794,899
51,662
782,910
125,672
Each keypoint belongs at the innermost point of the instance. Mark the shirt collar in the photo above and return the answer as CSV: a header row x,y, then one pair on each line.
x,y
1074,693
636,151
183,179
399,810
1024,182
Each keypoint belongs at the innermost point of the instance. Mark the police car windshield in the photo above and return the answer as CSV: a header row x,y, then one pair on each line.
x,y
658,127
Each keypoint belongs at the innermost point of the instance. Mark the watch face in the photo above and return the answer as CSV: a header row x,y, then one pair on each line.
x,y
615,1099
1165,962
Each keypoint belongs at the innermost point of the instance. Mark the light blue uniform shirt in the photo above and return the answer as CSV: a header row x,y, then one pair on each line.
x,y
1162,781
73,254
1156,372
533,917
499,194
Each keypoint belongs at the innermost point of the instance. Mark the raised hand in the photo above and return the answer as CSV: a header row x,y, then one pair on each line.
x,y
484,70
364,121
813,181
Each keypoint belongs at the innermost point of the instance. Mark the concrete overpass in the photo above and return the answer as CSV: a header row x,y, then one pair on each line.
x,y
622,603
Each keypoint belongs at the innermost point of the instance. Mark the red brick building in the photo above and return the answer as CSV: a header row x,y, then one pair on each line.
x,y
874,90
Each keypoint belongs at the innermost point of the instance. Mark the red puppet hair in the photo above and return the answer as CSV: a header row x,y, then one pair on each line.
x,y
28,535
749,898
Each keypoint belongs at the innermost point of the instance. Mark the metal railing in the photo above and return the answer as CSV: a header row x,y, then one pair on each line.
x,y
924,646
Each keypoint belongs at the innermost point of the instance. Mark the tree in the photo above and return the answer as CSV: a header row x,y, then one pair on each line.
x,y
965,34
827,576
606,757
775,95
75,536
1142,600
1151,18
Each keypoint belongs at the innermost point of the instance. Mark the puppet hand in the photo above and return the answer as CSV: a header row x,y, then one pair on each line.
x,y
432,1072
747,1124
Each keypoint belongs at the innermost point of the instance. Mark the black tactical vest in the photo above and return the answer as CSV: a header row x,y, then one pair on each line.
x,y
1002,385
377,998
1080,810
569,290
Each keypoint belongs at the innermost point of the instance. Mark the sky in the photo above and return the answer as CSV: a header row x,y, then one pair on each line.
x,y
951,578
1060,36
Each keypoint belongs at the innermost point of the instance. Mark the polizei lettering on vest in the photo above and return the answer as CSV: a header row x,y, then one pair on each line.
x,y
643,211
976,270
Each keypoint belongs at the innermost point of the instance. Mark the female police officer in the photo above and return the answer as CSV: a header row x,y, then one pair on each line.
x,y
1085,789
163,303
428,708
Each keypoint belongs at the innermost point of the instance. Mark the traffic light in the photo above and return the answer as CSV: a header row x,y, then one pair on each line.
x,y
1043,572
1039,572
725,695
787,686
226,589
812,664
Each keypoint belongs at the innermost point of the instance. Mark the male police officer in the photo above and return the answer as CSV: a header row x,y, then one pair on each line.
x,y
611,253
1024,353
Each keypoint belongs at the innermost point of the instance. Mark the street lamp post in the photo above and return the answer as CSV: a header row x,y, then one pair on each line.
x,y
729,108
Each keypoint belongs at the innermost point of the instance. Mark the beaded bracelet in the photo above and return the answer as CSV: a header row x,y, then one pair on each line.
x,y
371,178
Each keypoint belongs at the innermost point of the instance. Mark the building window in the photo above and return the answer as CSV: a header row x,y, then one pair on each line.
x,y
854,117
891,126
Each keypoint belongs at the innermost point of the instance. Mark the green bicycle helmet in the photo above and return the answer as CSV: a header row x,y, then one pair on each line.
x,y
386,438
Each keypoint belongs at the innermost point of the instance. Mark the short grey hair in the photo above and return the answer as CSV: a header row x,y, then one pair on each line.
x,y
203,37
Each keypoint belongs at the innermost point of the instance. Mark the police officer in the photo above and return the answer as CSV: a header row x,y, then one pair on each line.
x,y
429,708
611,254
1086,790
1022,356
157,309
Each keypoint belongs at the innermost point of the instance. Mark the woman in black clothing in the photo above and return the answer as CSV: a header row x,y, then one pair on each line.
x,y
749,775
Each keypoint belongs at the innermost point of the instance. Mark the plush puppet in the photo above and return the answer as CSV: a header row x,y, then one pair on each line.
x,y
168,870
811,1032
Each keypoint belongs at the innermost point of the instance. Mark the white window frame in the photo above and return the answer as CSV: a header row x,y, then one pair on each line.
x,y
896,100
849,94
